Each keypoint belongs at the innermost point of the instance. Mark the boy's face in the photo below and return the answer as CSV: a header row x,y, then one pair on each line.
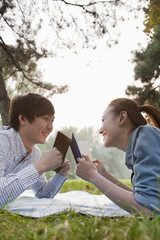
x,y
37,131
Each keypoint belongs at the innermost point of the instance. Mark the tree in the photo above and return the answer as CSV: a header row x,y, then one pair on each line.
x,y
26,24
152,17
147,61
19,60
147,71
4,100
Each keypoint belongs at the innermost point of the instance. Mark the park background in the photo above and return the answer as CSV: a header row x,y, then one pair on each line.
x,y
81,55
85,53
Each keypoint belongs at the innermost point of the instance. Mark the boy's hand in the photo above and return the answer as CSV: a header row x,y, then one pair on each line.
x,y
64,168
50,160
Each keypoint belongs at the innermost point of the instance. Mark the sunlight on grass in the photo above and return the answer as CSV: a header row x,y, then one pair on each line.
x,y
75,226
82,185
79,185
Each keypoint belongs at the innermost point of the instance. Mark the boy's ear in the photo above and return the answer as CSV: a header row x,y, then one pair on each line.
x,y
123,117
22,119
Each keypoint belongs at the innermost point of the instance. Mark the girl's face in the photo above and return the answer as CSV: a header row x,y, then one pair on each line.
x,y
110,128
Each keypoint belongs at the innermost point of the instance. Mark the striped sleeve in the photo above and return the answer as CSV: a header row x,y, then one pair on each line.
x,y
48,189
13,185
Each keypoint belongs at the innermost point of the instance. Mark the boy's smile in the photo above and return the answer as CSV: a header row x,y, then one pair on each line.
x,y
37,131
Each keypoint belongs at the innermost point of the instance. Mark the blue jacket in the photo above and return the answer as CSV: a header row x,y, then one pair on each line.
x,y
143,158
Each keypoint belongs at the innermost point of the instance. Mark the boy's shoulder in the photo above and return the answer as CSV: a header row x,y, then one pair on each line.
x,y
5,130
8,134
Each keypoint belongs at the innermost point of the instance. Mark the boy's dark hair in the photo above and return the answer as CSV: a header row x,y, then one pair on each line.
x,y
30,105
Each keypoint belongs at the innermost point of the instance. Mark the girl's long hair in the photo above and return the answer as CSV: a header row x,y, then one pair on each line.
x,y
134,111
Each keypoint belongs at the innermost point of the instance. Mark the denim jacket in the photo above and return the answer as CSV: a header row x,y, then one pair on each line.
x,y
143,158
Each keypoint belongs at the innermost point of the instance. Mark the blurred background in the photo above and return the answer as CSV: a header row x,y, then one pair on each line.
x,y
81,55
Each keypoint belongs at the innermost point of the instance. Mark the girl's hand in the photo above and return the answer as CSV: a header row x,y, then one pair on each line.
x,y
85,168
65,168
100,167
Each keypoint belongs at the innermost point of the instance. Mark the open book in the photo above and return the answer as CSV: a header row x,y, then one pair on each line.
x,y
75,149
62,143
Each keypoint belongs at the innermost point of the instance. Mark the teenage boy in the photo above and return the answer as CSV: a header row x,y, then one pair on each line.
x,y
21,163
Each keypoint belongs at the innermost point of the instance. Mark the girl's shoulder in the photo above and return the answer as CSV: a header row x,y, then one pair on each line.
x,y
147,129
144,134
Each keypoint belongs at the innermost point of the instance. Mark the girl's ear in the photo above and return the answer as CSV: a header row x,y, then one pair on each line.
x,y
123,117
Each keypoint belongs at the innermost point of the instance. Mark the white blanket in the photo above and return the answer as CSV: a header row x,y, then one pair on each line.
x,y
83,202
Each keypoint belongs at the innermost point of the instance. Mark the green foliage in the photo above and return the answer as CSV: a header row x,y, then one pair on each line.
x,y
147,72
147,61
20,63
152,16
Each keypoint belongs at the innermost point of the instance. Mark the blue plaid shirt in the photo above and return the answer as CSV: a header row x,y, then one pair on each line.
x,y
17,172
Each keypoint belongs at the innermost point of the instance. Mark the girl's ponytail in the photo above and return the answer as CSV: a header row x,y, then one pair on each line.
x,y
153,113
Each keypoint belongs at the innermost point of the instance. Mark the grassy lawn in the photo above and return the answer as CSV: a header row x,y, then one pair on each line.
x,y
74,226
81,185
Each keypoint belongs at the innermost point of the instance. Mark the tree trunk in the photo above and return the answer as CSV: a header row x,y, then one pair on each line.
x,y
4,101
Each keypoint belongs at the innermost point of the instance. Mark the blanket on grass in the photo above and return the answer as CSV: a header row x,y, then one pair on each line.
x,y
79,201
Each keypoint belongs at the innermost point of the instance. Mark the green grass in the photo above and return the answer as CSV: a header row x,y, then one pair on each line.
x,y
74,226
81,185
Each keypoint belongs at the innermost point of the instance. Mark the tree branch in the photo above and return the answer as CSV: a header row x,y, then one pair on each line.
x,y
19,69
85,5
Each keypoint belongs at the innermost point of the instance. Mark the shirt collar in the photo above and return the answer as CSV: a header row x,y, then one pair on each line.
x,y
129,151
